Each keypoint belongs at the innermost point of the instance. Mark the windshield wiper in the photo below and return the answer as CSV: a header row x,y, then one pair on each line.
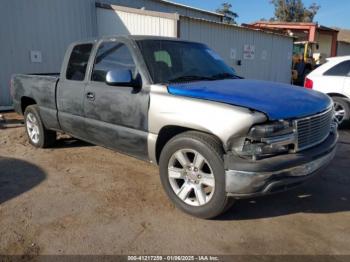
x,y
225,76
190,78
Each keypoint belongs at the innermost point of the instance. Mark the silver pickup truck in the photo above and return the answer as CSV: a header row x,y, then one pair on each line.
x,y
216,137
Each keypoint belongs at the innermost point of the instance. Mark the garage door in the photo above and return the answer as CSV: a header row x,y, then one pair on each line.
x,y
118,20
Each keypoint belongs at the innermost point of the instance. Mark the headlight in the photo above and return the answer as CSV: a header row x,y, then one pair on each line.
x,y
270,130
268,140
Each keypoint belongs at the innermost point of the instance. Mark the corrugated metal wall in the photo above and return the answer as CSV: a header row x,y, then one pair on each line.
x,y
127,22
160,6
272,58
47,26
343,48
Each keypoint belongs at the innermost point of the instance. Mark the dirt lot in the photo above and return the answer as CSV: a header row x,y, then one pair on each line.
x,y
82,199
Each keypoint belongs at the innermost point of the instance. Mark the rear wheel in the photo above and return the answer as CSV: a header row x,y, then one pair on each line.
x,y
38,135
193,176
342,110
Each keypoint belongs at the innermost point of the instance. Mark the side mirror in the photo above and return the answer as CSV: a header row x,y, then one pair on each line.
x,y
119,77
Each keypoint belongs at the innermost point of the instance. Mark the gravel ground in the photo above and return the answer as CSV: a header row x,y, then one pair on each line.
x,y
82,199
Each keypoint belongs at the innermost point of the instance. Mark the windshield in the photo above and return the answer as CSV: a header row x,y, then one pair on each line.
x,y
298,49
175,61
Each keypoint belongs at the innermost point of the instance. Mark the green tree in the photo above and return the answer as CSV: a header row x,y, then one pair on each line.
x,y
229,15
294,11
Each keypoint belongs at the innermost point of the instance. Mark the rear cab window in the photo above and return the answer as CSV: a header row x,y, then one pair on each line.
x,y
78,61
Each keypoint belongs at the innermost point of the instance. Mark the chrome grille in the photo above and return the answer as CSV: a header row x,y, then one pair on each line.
x,y
314,129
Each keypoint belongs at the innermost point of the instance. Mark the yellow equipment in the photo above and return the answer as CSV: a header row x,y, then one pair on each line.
x,y
303,60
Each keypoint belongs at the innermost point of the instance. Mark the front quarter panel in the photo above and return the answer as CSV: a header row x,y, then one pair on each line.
x,y
222,120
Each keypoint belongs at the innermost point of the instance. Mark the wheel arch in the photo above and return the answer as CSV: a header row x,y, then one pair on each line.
x,y
166,133
25,102
346,99
337,95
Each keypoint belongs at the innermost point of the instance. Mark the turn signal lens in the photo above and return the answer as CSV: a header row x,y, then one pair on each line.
x,y
308,83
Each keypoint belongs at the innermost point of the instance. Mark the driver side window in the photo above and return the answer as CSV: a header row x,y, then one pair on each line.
x,y
111,56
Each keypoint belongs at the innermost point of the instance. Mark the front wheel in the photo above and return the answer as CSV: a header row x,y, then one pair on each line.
x,y
193,176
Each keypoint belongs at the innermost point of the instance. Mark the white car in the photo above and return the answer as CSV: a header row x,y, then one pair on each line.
x,y
333,78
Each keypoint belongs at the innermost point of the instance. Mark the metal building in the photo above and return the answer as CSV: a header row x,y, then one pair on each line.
x,y
343,43
168,7
36,33
325,37
343,48
119,20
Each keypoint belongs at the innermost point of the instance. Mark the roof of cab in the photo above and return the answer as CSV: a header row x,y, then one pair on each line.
x,y
129,37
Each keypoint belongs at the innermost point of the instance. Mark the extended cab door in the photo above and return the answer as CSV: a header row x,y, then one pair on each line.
x,y
116,116
71,90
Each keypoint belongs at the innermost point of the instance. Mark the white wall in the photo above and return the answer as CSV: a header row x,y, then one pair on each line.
x,y
163,6
118,22
325,44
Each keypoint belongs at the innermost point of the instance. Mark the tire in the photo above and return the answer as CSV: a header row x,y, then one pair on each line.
x,y
340,104
192,178
38,135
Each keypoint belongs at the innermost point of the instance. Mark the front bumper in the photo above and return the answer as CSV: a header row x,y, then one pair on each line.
x,y
248,178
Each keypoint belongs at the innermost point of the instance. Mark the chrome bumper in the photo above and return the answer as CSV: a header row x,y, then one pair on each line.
x,y
242,184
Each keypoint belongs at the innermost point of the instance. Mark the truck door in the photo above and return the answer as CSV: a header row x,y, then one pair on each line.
x,y
116,116
71,90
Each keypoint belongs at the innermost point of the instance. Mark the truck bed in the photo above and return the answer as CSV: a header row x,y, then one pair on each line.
x,y
38,87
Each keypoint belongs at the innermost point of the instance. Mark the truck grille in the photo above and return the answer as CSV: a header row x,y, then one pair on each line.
x,y
313,130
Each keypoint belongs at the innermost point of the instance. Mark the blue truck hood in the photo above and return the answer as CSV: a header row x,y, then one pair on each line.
x,y
276,100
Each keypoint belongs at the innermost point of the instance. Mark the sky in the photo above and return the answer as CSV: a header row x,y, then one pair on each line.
x,y
332,13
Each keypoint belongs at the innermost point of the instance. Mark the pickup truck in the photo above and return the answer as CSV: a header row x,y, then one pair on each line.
x,y
215,137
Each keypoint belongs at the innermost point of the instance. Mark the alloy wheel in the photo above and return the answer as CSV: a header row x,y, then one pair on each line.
x,y
191,177
339,111
33,128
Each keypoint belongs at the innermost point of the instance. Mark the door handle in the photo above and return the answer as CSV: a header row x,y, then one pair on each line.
x,y
90,96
